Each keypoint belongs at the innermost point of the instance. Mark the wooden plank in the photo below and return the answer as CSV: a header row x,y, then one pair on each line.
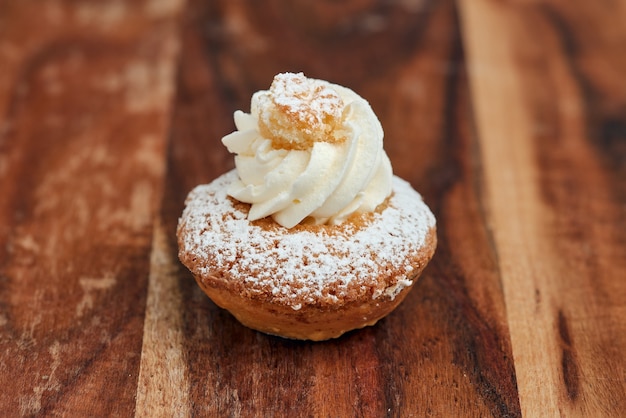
x,y
446,350
163,387
521,310
84,104
550,103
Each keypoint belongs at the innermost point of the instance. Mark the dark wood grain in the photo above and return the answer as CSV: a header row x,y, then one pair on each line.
x,y
81,165
581,165
555,179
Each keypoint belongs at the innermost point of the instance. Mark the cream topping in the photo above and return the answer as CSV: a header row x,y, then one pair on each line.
x,y
308,148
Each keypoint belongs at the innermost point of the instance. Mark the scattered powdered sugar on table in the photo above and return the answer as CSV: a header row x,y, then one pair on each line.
x,y
299,266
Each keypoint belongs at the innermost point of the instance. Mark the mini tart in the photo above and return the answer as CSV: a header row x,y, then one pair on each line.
x,y
310,282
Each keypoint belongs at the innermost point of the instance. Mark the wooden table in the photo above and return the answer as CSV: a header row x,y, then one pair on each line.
x,y
509,117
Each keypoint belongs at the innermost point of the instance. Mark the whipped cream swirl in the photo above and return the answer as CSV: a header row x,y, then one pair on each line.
x,y
308,149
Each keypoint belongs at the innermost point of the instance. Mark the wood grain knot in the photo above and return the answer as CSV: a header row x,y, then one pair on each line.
x,y
569,367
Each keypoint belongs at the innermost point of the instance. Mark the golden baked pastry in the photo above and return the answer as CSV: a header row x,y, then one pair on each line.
x,y
287,255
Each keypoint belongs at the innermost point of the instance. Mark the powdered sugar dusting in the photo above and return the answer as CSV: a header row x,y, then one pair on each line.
x,y
297,267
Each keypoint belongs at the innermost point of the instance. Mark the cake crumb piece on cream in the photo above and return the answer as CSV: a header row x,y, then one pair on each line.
x,y
298,111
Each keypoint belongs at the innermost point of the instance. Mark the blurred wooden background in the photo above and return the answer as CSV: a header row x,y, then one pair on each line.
x,y
508,116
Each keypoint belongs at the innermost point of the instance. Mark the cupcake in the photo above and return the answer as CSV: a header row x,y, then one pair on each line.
x,y
311,235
